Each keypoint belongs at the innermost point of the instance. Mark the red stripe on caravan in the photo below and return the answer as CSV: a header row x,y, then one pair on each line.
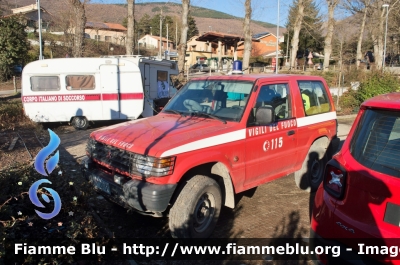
x,y
92,97
109,96
79,97
132,96
123,96
60,98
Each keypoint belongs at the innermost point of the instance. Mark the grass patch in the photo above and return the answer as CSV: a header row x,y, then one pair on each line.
x,y
12,114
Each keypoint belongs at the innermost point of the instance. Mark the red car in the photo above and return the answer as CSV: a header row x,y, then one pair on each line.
x,y
357,207
217,137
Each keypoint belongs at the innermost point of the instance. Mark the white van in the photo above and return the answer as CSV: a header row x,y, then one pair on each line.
x,y
79,90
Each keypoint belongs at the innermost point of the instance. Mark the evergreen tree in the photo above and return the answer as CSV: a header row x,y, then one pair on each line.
x,y
310,38
14,45
193,30
144,24
125,22
154,22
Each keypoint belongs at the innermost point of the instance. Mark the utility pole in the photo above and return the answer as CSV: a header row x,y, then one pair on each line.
x,y
40,31
167,39
160,33
384,51
287,46
176,35
277,43
138,51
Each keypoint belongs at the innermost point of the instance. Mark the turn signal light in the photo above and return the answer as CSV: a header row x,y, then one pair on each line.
x,y
335,179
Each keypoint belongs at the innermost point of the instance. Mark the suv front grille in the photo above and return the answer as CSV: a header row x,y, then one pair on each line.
x,y
110,155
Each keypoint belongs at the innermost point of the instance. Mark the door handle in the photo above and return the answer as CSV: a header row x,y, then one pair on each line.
x,y
291,132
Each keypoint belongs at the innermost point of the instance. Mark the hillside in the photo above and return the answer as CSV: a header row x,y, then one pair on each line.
x,y
204,17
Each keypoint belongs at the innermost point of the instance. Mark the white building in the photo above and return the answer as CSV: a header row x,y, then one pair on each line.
x,y
153,42
29,16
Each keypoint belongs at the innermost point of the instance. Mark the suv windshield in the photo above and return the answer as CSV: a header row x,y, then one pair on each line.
x,y
376,142
225,100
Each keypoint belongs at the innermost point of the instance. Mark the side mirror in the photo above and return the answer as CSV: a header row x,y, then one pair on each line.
x,y
265,115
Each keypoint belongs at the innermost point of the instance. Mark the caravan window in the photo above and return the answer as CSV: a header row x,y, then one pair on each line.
x,y
45,83
80,82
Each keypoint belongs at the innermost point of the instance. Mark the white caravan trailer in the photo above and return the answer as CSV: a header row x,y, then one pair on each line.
x,y
79,90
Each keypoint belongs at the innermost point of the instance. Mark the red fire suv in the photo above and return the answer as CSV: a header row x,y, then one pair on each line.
x,y
217,137
358,205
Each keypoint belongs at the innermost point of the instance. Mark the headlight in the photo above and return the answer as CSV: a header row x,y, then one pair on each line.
x,y
152,166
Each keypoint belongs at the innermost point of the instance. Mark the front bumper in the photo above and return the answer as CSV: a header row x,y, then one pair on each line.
x,y
130,193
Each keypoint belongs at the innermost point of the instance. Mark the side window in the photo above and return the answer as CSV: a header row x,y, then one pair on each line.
x,y
80,82
315,98
45,83
276,96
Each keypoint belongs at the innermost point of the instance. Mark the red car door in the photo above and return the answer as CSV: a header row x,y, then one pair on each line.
x,y
270,148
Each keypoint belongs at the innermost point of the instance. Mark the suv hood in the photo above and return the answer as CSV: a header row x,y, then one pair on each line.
x,y
156,135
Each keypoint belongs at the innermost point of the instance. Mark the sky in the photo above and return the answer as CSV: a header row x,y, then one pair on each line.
x,y
263,10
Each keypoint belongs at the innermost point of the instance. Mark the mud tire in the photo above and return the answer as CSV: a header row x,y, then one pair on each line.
x,y
196,209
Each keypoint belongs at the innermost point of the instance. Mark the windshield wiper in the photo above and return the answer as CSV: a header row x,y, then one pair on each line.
x,y
174,111
209,116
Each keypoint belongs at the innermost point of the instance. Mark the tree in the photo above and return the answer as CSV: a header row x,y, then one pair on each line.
x,y
328,38
305,29
14,45
184,33
131,27
359,7
144,24
79,21
377,27
155,24
247,35
296,12
125,22
193,30
362,28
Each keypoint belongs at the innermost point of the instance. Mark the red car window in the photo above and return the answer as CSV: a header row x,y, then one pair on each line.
x,y
376,142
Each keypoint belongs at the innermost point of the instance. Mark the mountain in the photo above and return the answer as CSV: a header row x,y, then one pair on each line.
x,y
206,19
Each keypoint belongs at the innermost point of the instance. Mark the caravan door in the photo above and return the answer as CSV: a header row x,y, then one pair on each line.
x,y
110,94
148,101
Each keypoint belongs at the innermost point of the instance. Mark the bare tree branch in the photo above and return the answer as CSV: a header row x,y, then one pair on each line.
x,y
79,23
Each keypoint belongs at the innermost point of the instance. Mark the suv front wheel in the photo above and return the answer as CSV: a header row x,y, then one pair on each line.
x,y
196,209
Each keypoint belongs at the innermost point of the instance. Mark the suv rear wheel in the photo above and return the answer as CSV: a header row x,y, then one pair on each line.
x,y
311,173
196,209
